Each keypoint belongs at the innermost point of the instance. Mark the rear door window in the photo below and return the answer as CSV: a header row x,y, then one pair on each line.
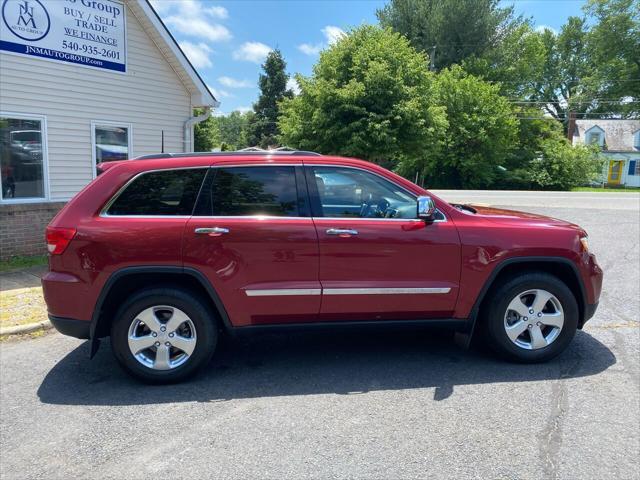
x,y
250,191
168,192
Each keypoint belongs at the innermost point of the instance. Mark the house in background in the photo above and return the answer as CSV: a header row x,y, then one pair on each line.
x,y
620,144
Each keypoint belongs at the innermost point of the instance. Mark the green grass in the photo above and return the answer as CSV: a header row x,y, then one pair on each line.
x,y
22,306
18,263
606,190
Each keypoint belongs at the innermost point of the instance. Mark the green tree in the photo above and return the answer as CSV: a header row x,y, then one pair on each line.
x,y
368,97
562,166
230,131
457,28
480,135
233,129
516,64
613,44
562,87
273,89
205,135
591,66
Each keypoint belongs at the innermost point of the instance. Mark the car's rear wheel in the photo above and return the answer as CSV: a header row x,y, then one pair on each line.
x,y
531,318
163,335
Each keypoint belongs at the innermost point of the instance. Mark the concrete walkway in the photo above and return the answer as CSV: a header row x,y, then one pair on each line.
x,y
25,278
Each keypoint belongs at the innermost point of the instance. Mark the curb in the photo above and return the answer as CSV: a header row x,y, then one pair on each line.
x,y
28,328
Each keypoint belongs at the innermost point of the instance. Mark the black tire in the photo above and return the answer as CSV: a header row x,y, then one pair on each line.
x,y
192,305
495,308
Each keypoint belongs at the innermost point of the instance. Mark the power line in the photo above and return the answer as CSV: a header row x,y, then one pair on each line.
x,y
556,102
600,80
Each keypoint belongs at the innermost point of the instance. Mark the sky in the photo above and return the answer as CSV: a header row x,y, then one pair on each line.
x,y
227,41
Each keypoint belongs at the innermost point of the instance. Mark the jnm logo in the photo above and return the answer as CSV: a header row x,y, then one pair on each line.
x,y
26,19
26,15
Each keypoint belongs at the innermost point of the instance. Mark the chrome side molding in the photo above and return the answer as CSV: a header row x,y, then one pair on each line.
x,y
275,292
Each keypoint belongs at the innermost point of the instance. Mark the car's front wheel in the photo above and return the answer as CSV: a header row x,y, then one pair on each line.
x,y
163,335
531,318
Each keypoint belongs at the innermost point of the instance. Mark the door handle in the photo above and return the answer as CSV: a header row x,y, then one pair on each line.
x,y
211,231
342,232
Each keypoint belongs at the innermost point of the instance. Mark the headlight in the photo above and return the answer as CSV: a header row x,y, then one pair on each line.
x,y
585,243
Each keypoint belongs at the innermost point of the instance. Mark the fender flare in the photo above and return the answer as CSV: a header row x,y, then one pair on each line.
x,y
475,310
160,269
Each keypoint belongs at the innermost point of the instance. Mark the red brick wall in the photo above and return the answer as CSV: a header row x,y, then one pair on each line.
x,y
22,228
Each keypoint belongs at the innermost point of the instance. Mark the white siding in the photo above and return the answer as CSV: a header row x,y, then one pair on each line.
x,y
150,97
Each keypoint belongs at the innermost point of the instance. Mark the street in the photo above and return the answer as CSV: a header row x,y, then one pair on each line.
x,y
392,405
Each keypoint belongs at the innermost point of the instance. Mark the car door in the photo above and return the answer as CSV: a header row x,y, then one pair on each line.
x,y
377,260
252,236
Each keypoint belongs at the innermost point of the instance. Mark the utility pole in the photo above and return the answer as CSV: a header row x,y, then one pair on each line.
x,y
432,66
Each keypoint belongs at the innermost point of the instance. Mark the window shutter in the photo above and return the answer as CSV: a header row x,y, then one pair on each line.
x,y
632,167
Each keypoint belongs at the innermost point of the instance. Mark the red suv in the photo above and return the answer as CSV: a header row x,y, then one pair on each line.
x,y
163,252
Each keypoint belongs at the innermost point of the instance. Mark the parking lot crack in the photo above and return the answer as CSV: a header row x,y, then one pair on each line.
x,y
550,439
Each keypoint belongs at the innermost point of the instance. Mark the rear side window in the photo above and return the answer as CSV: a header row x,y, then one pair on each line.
x,y
169,192
246,191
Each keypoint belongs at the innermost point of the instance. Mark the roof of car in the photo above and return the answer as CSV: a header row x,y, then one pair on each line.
x,y
240,153
201,159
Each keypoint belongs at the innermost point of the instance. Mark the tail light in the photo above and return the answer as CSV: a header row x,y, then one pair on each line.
x,y
58,238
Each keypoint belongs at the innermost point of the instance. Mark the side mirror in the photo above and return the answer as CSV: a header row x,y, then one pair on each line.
x,y
426,208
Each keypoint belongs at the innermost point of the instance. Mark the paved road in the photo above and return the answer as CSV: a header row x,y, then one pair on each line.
x,y
374,406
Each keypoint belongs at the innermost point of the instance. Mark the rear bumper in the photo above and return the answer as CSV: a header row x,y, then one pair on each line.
x,y
71,327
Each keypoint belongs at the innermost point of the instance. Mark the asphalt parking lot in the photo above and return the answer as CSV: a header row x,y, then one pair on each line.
x,y
366,406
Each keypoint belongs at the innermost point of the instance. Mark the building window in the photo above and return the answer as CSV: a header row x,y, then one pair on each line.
x,y
595,138
22,157
111,142
634,167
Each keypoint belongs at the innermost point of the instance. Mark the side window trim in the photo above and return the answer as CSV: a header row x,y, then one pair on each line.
x,y
316,205
104,211
302,193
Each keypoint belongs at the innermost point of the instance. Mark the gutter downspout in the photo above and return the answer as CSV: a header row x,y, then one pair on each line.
x,y
188,138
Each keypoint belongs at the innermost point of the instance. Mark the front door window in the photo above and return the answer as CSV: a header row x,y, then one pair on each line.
x,y
353,193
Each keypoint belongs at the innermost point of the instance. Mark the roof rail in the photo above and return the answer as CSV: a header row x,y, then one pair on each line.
x,y
250,151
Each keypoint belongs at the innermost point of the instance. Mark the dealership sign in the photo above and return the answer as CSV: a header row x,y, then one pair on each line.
x,y
85,32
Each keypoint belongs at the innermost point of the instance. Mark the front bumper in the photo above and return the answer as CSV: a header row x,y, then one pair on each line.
x,y
589,311
71,327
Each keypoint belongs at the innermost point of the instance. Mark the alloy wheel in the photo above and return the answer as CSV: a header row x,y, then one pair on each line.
x,y
534,319
162,337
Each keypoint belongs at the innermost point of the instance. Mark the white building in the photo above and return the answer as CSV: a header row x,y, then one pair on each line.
x,y
620,144
81,82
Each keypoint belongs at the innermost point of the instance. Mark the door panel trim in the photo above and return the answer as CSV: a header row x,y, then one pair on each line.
x,y
275,292
385,291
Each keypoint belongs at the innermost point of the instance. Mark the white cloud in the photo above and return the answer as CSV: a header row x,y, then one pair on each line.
x,y
235,83
252,52
161,6
542,28
194,19
243,109
198,54
219,93
218,12
331,34
292,85
309,49
196,27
